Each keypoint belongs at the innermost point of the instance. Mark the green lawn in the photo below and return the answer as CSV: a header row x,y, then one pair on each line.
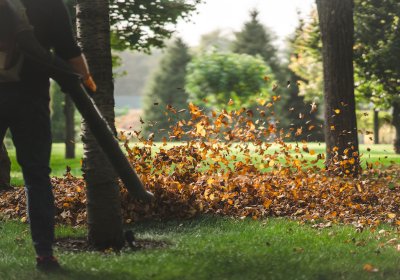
x,y
378,153
217,248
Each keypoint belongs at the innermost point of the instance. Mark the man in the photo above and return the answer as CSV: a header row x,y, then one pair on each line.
x,y
5,166
24,109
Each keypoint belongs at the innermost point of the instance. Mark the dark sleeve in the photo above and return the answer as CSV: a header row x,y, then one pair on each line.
x,y
62,37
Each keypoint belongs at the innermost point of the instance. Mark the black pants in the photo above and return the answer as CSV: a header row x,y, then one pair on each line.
x,y
25,111
5,168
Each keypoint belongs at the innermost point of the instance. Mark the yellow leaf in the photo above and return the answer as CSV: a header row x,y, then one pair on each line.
x,y
200,129
261,101
267,203
370,268
391,215
337,111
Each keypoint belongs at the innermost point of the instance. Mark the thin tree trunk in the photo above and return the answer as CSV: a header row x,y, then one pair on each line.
x,y
103,193
69,111
396,124
337,29
376,126
5,167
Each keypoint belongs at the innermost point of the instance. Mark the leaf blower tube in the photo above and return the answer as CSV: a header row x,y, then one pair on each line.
x,y
70,82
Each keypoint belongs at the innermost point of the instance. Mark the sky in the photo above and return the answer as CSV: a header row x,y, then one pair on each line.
x,y
229,15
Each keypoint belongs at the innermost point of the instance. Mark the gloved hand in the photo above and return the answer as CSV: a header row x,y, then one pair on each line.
x,y
89,83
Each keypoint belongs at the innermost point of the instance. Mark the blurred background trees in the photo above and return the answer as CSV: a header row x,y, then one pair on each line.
x,y
216,80
167,91
375,62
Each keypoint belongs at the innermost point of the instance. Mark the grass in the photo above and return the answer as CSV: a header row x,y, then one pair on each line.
x,y
378,153
216,248
213,248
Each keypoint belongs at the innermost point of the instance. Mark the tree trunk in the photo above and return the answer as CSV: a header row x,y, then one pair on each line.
x,y
69,111
376,126
396,124
103,193
5,167
337,30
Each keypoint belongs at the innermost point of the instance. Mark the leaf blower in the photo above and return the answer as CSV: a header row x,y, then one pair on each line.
x,y
24,44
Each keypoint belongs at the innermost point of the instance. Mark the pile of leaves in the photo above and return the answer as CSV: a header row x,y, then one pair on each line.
x,y
228,164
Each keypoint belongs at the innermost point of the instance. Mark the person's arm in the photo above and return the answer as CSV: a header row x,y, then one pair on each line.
x,y
65,45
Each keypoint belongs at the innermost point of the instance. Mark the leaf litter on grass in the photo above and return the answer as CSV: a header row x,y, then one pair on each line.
x,y
227,163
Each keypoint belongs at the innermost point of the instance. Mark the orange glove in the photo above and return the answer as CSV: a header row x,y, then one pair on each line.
x,y
90,84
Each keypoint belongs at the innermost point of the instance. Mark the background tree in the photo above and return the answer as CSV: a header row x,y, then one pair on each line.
x,y
337,30
373,59
167,89
256,39
377,49
298,116
215,78
215,40
62,119
306,58
300,109
143,24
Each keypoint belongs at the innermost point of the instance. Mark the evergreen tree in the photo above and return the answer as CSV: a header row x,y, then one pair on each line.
x,y
300,108
256,39
166,93
300,117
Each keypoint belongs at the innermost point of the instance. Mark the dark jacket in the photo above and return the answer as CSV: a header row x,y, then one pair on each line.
x,y
53,29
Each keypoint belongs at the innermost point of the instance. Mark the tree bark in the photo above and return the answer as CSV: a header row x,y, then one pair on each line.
x,y
5,168
69,111
376,126
337,30
103,193
396,124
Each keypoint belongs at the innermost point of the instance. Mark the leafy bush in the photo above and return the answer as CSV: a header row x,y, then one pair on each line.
x,y
214,78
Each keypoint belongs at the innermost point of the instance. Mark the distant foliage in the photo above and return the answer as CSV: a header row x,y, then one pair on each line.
x,y
142,24
306,58
166,92
378,46
300,116
376,65
215,78
215,40
256,39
